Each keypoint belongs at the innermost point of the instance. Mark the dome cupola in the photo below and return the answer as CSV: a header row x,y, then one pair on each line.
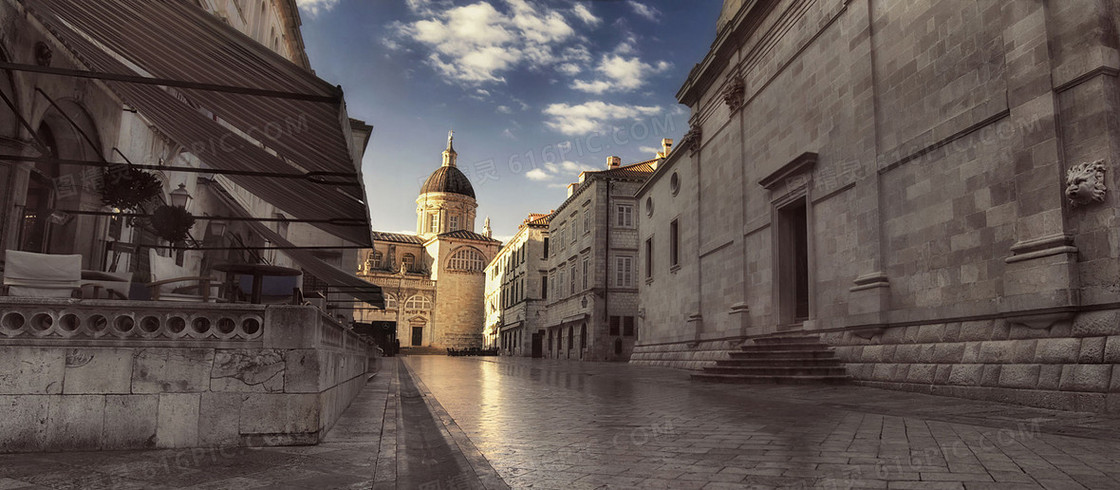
x,y
448,178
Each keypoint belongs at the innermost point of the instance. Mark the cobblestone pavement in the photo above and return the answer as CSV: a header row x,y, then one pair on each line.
x,y
556,424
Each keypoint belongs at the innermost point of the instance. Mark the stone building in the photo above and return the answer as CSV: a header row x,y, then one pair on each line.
x,y
592,297
56,208
516,283
434,281
924,186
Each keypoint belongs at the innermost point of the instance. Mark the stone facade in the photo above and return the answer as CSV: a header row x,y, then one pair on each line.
x,y
515,289
434,281
591,311
890,169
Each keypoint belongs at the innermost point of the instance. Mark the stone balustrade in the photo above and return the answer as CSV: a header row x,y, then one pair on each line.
x,y
40,319
109,375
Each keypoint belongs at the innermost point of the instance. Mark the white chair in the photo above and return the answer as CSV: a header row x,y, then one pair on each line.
x,y
31,274
172,282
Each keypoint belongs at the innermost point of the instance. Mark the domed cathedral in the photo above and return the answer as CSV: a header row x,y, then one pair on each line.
x,y
434,281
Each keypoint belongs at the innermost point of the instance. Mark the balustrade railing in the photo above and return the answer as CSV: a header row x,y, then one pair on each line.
x,y
45,319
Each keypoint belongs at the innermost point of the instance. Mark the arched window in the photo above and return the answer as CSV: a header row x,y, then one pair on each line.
x,y
467,259
418,303
409,262
390,302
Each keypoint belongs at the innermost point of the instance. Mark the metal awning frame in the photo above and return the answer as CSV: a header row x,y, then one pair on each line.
x,y
150,81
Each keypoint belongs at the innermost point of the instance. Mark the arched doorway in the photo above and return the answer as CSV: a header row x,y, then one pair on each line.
x,y
69,133
571,339
582,339
35,229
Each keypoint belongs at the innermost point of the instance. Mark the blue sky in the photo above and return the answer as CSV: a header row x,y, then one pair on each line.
x,y
536,91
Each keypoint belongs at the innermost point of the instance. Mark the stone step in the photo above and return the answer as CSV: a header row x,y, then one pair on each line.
x,y
777,370
751,362
780,380
799,339
783,347
784,354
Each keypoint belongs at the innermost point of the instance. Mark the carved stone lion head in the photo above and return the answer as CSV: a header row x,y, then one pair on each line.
x,y
1085,183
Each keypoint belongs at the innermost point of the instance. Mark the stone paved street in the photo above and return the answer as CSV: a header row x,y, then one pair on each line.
x,y
435,422
555,424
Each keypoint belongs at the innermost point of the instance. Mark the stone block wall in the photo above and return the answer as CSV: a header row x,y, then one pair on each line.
x,y
1073,365
285,387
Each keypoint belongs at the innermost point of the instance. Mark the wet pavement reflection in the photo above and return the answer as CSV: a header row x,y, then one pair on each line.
x,y
557,424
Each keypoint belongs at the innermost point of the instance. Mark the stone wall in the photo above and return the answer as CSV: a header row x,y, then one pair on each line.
x,y
1073,365
88,375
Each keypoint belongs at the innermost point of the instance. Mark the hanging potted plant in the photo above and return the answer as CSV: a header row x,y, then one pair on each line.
x,y
126,187
172,223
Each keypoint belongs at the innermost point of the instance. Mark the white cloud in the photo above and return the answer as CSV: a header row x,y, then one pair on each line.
x,y
620,73
478,43
644,10
553,171
584,14
508,133
504,109
538,175
570,69
591,117
315,7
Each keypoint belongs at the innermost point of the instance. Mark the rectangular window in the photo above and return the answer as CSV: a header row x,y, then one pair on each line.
x,y
572,279
649,258
586,271
624,216
561,281
454,223
674,244
546,247
615,321
628,326
434,228
561,242
624,272
575,228
586,221
544,287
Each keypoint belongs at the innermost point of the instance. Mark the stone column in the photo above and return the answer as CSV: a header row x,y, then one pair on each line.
x,y
869,295
1040,279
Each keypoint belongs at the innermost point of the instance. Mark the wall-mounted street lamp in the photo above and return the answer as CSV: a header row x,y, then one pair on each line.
x,y
218,227
180,197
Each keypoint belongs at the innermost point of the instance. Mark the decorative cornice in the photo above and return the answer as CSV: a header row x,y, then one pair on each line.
x,y
802,164
693,139
734,93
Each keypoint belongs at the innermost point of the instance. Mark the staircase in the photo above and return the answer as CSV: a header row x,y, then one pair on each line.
x,y
780,359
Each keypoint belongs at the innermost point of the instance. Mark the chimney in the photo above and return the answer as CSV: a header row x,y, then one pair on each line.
x,y
572,189
613,162
666,147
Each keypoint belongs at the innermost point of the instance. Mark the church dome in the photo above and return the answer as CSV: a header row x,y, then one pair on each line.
x,y
448,179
